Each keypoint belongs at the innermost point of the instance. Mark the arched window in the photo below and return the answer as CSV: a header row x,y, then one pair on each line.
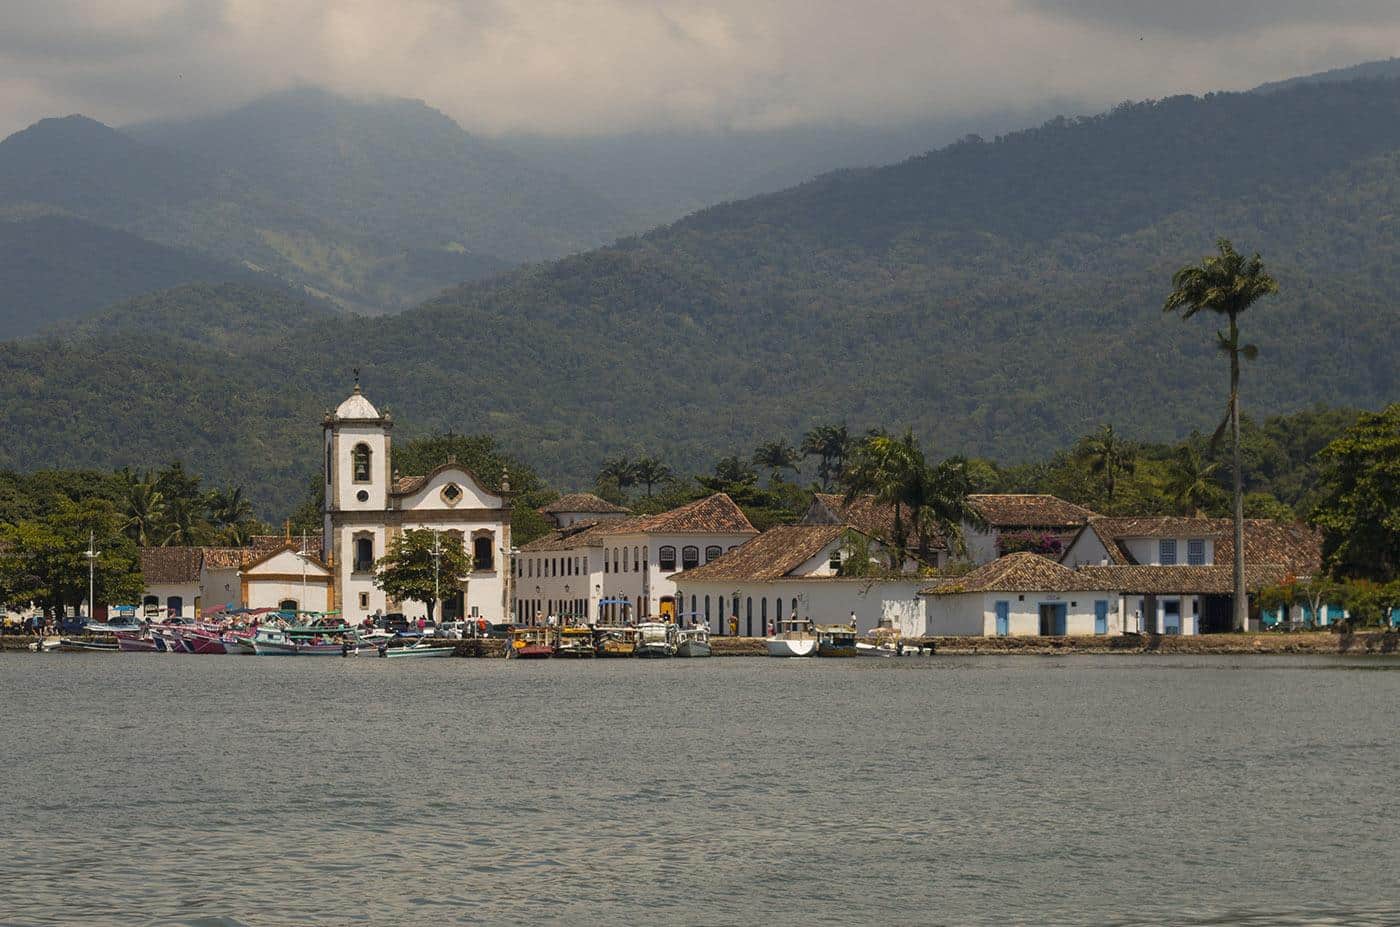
x,y
614,559
694,613
763,615
778,604
624,560
605,561
690,557
636,560
364,553
359,459
734,609
707,615
666,559
713,551
748,617
287,605
794,608
646,556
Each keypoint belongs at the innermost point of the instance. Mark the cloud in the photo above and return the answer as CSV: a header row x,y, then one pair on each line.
x,y
585,66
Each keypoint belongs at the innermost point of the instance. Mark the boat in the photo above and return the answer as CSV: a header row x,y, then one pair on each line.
x,y
616,641
693,642
576,642
532,643
656,639
47,645
420,649
794,638
128,642
275,642
836,640
75,645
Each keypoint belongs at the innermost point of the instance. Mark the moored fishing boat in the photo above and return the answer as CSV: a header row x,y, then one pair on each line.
x,y
794,638
420,649
78,645
836,640
656,639
532,643
693,642
575,642
129,642
615,641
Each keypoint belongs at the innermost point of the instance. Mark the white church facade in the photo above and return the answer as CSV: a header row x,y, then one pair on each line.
x,y
368,505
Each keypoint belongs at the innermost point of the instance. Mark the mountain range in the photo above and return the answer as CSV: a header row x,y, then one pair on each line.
x,y
1001,296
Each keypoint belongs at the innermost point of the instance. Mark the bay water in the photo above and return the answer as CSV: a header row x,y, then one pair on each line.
x,y
146,789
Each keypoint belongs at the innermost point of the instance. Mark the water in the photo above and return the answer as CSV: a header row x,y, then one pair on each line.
x,y
151,789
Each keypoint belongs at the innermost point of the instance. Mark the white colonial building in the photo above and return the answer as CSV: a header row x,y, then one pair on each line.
x,y
368,505
600,562
802,571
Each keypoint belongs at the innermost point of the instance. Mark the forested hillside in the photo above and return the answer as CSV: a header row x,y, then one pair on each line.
x,y
1002,297
377,206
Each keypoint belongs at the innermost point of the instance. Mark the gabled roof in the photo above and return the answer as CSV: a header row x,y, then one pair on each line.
x,y
1028,510
863,513
581,503
261,543
224,558
170,565
408,485
714,514
1181,580
1296,547
261,557
579,534
1019,572
773,554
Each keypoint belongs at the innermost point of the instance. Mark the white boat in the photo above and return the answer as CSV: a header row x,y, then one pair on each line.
x,y
881,649
47,645
420,649
656,639
693,642
794,638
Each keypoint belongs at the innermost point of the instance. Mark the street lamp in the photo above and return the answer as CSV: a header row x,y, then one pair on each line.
x,y
91,554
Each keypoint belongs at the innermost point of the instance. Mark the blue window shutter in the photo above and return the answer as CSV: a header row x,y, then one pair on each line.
x,y
1101,617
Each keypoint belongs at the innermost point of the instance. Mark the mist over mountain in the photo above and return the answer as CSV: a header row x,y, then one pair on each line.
x,y
1001,296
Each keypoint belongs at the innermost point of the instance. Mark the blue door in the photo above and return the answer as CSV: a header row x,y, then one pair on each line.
x,y
1171,616
1003,619
1060,626
1101,617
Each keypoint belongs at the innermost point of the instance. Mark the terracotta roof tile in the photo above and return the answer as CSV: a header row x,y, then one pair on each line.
x,y
714,514
773,554
161,565
584,503
1189,580
1018,572
224,558
862,513
1294,546
1028,510
579,534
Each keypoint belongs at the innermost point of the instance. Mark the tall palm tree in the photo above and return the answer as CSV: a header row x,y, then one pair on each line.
x,y
932,498
831,444
145,508
776,456
1227,284
619,470
649,471
1192,480
231,513
1109,456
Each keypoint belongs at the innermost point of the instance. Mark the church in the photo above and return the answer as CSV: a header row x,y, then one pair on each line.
x,y
368,504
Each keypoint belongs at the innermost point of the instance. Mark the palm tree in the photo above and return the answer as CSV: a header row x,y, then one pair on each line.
x,y
934,499
619,470
145,508
776,456
650,470
1192,480
183,525
231,512
1227,284
733,469
1109,455
831,444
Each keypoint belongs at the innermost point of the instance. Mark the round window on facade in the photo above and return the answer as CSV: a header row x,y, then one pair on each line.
x,y
362,495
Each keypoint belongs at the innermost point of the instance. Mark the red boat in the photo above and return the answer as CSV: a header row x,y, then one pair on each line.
x,y
135,643
532,643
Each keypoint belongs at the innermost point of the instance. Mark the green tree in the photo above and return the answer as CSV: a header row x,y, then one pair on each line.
x,y
232,514
775,457
145,508
1359,512
1191,481
1109,456
420,565
831,444
1227,284
649,471
619,471
44,560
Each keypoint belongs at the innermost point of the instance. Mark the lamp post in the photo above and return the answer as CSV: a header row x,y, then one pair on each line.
x,y
437,562
91,554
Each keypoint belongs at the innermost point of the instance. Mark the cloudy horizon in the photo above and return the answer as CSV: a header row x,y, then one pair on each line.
x,y
611,66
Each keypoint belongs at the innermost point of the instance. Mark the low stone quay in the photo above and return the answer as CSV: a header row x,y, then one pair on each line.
x,y
1361,643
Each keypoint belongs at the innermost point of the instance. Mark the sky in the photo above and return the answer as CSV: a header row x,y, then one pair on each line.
x,y
572,67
